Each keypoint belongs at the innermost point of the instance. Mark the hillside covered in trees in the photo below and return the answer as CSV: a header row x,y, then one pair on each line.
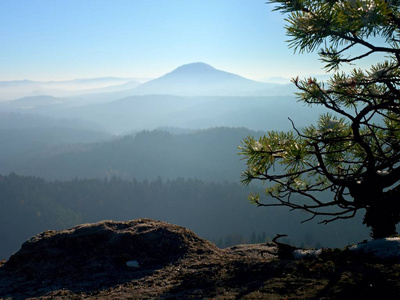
x,y
209,155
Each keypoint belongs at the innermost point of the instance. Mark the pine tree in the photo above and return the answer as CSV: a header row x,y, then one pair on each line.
x,y
354,150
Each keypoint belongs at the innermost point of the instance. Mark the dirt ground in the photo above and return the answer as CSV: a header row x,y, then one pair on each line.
x,y
203,271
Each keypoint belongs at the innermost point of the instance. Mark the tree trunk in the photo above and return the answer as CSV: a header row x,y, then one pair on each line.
x,y
382,219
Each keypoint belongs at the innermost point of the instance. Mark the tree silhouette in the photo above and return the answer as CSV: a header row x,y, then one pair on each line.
x,y
353,150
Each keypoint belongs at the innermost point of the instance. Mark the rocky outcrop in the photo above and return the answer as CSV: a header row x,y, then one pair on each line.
x,y
146,259
101,253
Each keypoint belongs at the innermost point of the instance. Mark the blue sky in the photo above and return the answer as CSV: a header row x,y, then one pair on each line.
x,y
67,39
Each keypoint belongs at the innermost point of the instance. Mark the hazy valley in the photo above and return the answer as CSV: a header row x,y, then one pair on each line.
x,y
165,149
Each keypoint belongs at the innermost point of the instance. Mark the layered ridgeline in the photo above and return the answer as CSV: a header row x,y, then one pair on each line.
x,y
191,96
194,79
41,132
210,155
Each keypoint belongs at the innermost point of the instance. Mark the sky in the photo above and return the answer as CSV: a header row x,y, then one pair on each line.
x,y
69,39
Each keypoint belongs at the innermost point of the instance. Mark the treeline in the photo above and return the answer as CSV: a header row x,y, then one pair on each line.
x,y
30,205
210,155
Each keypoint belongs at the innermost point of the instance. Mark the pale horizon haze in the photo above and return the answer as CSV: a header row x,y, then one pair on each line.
x,y
63,40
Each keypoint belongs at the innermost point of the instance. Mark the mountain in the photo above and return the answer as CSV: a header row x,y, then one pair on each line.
x,y
200,79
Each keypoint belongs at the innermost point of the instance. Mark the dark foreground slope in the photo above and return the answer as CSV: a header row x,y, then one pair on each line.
x,y
146,259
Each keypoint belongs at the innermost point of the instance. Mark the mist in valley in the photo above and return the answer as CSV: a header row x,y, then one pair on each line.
x,y
165,149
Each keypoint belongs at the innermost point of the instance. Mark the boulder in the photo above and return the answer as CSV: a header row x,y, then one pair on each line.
x,y
107,247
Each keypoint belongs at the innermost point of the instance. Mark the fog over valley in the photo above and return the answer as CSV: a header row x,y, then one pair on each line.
x,y
164,148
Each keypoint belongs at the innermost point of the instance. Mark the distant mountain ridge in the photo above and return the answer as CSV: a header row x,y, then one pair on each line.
x,y
194,96
201,79
193,79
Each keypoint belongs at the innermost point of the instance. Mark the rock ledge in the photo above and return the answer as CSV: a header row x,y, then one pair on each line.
x,y
97,254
